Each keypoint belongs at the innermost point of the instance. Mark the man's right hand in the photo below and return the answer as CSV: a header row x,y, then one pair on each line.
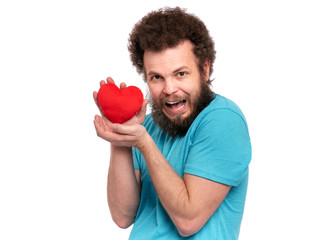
x,y
105,124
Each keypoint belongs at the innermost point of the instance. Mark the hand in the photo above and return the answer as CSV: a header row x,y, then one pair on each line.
x,y
137,118
128,134
122,135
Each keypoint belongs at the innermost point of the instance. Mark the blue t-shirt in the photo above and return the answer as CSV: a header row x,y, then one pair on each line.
x,y
216,147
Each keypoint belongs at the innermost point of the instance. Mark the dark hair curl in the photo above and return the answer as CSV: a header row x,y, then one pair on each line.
x,y
166,28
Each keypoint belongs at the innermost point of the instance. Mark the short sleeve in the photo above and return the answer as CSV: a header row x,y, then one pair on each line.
x,y
136,158
221,148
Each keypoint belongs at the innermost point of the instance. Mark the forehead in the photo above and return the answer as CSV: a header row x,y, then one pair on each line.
x,y
171,58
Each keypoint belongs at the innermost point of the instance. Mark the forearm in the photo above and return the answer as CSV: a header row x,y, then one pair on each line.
x,y
170,188
123,190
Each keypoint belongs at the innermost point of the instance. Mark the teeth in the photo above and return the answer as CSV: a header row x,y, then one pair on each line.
x,y
173,102
181,107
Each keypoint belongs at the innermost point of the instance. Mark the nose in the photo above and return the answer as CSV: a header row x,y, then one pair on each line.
x,y
170,86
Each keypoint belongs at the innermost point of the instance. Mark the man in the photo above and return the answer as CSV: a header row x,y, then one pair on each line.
x,y
187,174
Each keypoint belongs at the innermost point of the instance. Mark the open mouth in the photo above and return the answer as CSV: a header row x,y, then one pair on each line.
x,y
176,105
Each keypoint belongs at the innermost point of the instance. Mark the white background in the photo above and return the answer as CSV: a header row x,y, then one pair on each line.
x,y
275,59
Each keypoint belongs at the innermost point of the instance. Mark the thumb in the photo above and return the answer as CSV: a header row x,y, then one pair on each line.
x,y
143,109
123,129
141,115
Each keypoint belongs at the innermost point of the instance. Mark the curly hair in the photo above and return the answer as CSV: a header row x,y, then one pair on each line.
x,y
166,28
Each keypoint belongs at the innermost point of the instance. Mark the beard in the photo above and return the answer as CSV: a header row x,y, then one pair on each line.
x,y
180,126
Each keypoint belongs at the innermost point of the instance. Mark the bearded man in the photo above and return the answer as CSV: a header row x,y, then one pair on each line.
x,y
181,171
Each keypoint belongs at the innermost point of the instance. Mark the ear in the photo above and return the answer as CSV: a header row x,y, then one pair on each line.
x,y
206,69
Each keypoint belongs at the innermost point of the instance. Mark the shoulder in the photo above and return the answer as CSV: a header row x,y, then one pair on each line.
x,y
223,104
221,112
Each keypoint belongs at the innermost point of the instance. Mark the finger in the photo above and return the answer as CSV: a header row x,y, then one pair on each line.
x,y
107,123
101,131
102,82
95,98
123,129
143,108
100,121
107,134
109,80
144,105
123,85
99,125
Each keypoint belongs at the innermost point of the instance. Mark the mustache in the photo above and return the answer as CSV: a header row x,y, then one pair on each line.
x,y
173,98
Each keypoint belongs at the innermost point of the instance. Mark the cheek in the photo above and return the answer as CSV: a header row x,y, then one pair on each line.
x,y
193,90
154,93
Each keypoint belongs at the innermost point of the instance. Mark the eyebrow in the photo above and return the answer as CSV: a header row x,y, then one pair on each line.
x,y
151,73
180,69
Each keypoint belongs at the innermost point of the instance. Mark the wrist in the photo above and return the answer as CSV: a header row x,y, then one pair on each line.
x,y
144,143
120,149
117,147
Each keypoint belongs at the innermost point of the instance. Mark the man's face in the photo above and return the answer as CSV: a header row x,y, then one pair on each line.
x,y
175,84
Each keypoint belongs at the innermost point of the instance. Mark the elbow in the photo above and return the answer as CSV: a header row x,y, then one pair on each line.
x,y
123,222
187,227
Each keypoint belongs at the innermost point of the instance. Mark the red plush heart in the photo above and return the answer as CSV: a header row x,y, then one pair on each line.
x,y
119,105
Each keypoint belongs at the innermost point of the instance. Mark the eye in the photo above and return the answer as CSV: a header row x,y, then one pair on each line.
x,y
182,74
156,77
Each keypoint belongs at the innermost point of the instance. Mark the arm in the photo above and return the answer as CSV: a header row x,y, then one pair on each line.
x,y
190,201
123,183
123,187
